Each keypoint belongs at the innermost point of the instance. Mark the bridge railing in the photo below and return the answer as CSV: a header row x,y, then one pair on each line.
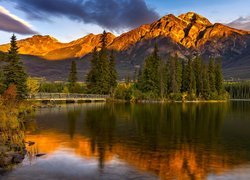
x,y
66,96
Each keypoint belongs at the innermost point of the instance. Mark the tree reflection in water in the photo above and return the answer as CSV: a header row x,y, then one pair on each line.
x,y
169,140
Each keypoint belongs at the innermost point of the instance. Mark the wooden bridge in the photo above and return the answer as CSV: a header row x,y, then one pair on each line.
x,y
68,98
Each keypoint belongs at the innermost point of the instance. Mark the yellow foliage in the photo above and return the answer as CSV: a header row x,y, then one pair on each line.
x,y
33,85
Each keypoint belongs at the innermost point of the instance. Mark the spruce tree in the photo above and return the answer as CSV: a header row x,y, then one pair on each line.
x,y
211,75
205,82
189,83
219,77
14,71
72,77
93,74
163,72
175,74
98,78
197,73
112,72
173,85
184,85
103,81
150,80
178,67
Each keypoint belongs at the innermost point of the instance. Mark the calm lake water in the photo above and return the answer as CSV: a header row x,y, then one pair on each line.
x,y
141,141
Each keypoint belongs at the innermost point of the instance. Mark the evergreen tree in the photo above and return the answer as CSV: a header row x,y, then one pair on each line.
x,y
72,77
205,82
211,75
112,71
2,86
103,81
219,77
189,83
178,66
175,74
150,80
99,77
163,72
92,76
14,73
184,85
197,73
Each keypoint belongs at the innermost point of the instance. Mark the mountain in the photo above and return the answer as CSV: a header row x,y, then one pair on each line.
x,y
241,23
187,35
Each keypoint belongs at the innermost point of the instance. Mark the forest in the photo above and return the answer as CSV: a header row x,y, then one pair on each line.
x,y
165,79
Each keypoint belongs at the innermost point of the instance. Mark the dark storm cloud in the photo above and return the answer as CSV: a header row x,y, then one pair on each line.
x,y
110,14
11,24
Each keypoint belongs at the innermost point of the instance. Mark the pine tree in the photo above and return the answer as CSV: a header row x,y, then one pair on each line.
x,y
211,75
189,83
178,66
163,72
14,73
219,77
112,72
197,73
150,80
205,82
184,85
103,82
93,74
175,74
72,77
98,78
173,85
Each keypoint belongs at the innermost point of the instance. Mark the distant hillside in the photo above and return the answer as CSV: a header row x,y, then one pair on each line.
x,y
187,35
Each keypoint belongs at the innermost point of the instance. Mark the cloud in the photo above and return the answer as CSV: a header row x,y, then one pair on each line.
x,y
12,23
113,15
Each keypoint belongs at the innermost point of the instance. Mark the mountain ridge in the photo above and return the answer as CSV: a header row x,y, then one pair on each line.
x,y
190,30
186,35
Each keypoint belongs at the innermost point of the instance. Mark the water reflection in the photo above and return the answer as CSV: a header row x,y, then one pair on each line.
x,y
171,141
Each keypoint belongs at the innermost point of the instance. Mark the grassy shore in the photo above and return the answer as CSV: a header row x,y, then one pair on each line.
x,y
12,144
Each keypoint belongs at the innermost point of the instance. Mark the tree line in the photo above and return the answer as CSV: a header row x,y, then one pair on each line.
x,y
238,90
180,79
174,78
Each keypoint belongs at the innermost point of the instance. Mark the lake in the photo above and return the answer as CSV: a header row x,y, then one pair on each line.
x,y
138,141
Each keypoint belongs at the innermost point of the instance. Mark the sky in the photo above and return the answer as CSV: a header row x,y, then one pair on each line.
x,y
67,20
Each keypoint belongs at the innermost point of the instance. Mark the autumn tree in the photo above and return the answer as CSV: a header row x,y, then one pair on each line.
x,y
33,85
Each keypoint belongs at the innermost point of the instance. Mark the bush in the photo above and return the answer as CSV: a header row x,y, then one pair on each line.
x,y
175,96
123,92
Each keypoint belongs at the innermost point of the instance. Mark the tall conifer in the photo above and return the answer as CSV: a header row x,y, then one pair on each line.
x,y
14,71
72,76
112,71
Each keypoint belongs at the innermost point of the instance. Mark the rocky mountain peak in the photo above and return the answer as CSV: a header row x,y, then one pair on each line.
x,y
192,17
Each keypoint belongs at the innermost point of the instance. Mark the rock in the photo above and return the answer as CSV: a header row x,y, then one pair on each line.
x,y
6,160
17,158
30,143
41,154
